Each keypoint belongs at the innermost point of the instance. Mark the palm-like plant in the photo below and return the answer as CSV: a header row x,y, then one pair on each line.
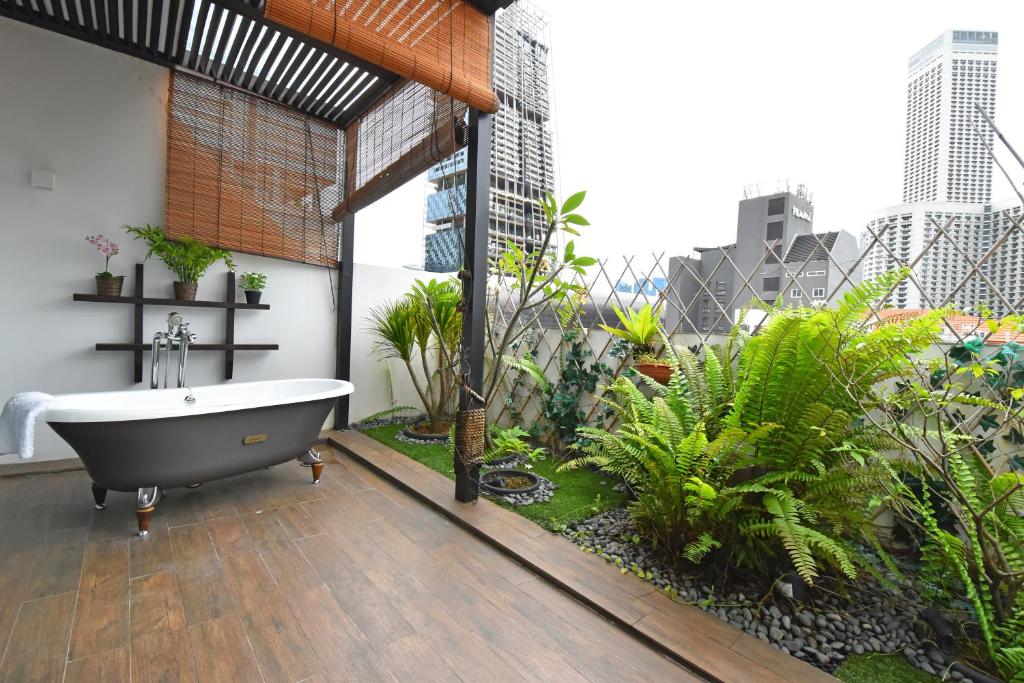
x,y
423,328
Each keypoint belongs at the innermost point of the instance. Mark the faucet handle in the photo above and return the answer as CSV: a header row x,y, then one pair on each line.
x,y
183,331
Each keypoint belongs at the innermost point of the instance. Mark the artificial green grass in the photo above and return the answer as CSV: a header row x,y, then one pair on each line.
x,y
879,668
581,493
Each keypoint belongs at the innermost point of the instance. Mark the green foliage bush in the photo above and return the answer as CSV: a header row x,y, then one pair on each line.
x,y
769,460
187,258
963,496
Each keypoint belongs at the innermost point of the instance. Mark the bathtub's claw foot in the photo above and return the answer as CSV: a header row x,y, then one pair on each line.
x,y
99,495
145,504
312,460
143,517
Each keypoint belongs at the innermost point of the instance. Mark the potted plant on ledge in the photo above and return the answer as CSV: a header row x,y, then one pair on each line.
x,y
253,284
185,257
107,284
639,328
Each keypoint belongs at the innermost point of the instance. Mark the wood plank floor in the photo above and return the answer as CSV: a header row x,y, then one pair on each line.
x,y
708,645
265,577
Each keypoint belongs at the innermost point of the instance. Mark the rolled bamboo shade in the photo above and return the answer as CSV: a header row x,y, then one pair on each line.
x,y
409,130
444,44
249,175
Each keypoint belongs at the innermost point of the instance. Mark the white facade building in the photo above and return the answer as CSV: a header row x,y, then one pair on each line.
x,y
947,182
944,159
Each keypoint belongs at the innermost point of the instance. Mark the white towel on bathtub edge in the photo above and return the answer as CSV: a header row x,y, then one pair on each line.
x,y
18,422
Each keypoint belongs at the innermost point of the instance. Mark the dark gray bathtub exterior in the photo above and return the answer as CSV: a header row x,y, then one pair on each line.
x,y
180,451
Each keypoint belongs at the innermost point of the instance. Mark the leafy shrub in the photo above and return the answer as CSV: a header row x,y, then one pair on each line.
x,y
562,400
185,257
510,441
967,497
772,459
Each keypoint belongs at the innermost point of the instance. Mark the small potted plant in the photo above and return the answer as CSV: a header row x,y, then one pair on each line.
x,y
639,328
107,284
185,257
253,284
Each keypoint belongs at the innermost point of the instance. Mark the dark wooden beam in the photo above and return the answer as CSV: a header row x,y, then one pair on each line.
x,y
474,286
345,279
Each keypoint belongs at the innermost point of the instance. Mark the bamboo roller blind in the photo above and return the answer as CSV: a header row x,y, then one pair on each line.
x,y
243,174
405,133
444,44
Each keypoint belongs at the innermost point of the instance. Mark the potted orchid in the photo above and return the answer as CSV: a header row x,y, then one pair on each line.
x,y
107,284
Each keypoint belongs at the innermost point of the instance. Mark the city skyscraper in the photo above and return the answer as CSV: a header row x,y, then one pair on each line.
x,y
522,167
945,159
947,182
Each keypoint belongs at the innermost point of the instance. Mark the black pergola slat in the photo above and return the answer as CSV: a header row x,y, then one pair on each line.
x,y
252,58
191,56
231,41
283,61
231,22
245,27
301,52
334,89
141,22
308,71
207,65
128,13
157,16
258,81
182,31
90,14
316,81
113,19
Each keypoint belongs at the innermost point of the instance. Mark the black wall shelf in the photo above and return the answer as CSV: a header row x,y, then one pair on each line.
x,y
138,346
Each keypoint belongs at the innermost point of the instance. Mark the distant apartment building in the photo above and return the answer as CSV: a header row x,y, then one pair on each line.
x,y
522,168
776,256
947,181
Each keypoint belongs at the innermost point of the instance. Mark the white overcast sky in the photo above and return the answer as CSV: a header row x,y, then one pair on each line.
x,y
664,116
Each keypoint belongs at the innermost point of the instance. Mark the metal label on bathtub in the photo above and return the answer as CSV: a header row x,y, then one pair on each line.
x,y
254,438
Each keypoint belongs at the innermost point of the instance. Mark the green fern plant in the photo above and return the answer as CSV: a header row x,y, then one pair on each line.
x,y
984,560
778,440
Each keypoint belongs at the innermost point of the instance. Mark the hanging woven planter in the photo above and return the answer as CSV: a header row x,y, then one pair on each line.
x,y
470,429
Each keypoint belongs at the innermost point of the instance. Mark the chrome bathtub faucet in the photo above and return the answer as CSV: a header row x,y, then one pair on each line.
x,y
177,336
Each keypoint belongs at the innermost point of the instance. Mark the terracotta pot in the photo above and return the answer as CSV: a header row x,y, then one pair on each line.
x,y
185,291
109,286
659,372
252,296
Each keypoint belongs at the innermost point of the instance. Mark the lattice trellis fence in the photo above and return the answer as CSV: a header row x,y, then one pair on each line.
x,y
697,311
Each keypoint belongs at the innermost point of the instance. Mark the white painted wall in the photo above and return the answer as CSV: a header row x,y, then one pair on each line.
x,y
97,119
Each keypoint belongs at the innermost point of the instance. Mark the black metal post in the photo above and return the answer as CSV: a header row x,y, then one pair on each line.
x,y
345,278
474,285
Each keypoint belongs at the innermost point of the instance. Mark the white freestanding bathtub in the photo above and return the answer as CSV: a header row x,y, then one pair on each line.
x,y
145,441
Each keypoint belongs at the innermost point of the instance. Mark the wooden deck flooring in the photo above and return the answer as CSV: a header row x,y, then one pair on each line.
x,y
715,649
265,577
